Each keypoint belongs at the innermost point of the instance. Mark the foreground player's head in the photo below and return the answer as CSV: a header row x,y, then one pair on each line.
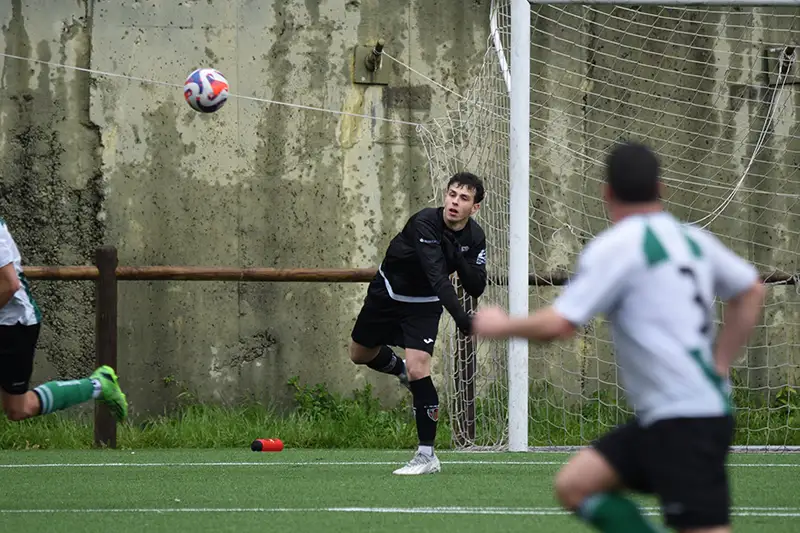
x,y
633,184
462,198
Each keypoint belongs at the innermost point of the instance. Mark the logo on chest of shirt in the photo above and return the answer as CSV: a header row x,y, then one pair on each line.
x,y
464,248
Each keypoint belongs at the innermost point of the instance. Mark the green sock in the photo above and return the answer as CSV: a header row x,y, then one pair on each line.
x,y
611,512
57,395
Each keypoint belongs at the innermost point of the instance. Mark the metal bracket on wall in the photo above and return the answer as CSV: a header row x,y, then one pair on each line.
x,y
368,67
780,66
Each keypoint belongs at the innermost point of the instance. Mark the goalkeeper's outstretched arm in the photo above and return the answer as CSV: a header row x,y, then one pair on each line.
x,y
472,271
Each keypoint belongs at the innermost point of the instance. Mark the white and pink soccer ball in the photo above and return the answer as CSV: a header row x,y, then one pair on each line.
x,y
206,90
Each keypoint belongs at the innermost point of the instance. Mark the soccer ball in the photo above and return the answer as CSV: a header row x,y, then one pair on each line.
x,y
206,90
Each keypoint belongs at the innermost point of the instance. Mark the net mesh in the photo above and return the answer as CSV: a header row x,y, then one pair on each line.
x,y
715,90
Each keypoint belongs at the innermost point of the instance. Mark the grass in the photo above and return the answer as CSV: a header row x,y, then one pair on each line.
x,y
329,490
192,469
320,420
324,420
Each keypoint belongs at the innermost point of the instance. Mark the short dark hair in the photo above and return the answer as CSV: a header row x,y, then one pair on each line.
x,y
469,180
632,172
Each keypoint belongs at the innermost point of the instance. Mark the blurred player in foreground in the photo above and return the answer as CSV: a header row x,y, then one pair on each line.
x,y
404,302
20,321
655,279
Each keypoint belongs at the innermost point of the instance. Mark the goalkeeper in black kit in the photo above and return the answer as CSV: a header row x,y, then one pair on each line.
x,y
404,302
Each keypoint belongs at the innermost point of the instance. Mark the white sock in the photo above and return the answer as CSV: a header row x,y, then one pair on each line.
x,y
98,389
425,450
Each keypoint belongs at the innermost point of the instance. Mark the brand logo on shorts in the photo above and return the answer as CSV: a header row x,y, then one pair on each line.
x,y
427,341
433,413
674,508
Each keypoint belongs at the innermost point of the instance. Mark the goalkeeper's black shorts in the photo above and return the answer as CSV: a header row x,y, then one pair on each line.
x,y
386,321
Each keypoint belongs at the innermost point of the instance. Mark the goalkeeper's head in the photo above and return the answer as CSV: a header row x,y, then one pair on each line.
x,y
633,183
462,198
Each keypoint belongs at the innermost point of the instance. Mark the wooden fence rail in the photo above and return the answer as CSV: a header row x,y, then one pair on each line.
x,y
106,273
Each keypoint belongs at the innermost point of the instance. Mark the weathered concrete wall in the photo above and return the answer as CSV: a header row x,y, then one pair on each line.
x,y
51,184
88,160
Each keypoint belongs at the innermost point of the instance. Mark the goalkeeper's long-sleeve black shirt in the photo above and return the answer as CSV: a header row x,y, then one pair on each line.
x,y
418,262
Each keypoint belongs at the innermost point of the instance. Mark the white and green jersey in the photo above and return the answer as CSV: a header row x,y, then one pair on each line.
x,y
655,279
22,308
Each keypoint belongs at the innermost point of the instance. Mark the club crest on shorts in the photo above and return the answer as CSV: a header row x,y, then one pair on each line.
x,y
433,413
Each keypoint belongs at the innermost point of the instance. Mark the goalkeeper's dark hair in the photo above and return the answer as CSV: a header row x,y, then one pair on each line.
x,y
632,172
469,180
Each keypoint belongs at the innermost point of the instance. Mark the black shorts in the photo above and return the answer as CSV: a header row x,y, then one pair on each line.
x,y
386,321
17,347
682,461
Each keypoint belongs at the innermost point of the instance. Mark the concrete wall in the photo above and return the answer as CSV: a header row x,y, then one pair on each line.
x,y
94,159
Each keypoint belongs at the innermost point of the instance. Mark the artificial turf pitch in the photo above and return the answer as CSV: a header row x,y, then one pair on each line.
x,y
330,491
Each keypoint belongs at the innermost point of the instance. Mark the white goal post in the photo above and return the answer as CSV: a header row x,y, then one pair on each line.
x,y
714,87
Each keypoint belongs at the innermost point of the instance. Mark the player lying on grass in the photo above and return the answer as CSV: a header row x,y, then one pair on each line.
x,y
404,302
655,279
20,321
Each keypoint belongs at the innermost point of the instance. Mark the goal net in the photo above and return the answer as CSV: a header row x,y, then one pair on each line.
x,y
715,89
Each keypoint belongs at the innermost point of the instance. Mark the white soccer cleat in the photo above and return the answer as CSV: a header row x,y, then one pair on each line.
x,y
420,464
403,377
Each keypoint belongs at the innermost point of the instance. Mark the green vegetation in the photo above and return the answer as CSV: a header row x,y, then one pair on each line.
x,y
324,420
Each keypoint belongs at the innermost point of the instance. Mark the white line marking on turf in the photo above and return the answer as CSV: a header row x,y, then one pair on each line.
x,y
269,463
331,463
537,511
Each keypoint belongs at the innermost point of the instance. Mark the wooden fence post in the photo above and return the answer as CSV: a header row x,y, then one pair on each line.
x,y
105,427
